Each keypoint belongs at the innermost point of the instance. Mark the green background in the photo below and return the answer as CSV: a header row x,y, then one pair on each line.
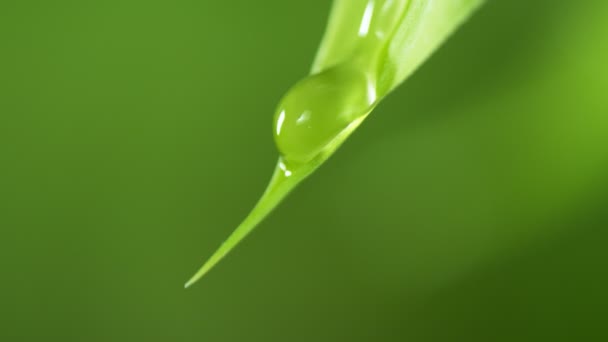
x,y
135,135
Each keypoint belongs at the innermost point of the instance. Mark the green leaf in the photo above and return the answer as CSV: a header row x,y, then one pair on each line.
x,y
369,48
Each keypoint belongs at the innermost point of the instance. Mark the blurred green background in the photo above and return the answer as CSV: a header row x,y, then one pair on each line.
x,y
135,135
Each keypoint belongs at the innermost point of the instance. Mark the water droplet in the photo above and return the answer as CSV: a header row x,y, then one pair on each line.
x,y
318,108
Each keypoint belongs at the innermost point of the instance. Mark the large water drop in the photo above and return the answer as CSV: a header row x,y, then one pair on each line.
x,y
318,108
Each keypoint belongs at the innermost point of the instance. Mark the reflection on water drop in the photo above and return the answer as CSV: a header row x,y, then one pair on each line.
x,y
286,172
